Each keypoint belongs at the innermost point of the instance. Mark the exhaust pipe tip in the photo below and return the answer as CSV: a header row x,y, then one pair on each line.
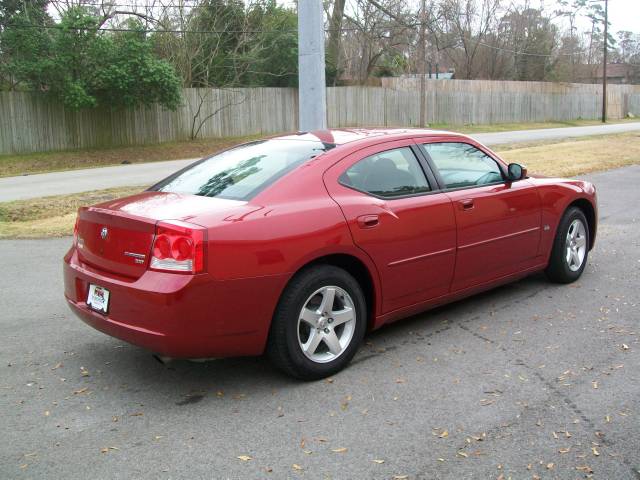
x,y
162,359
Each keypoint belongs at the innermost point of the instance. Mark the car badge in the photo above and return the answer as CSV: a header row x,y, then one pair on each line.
x,y
103,233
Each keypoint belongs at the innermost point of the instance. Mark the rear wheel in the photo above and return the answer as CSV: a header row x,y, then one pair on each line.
x,y
570,248
319,323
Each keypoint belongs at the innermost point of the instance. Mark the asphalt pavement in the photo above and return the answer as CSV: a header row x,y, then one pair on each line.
x,y
75,181
530,380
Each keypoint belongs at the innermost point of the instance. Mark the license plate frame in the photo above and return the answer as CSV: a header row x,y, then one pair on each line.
x,y
98,298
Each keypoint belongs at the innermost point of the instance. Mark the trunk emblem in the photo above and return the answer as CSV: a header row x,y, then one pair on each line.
x,y
103,233
137,257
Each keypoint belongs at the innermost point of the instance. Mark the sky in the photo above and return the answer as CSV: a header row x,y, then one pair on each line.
x,y
623,14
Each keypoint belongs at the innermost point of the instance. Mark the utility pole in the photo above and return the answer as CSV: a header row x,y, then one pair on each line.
x,y
422,64
604,64
312,96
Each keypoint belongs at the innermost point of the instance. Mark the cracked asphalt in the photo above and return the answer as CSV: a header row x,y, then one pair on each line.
x,y
528,380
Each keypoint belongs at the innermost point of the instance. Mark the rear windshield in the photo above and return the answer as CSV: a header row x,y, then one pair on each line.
x,y
243,171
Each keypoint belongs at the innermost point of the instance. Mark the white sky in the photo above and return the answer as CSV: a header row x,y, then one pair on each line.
x,y
623,14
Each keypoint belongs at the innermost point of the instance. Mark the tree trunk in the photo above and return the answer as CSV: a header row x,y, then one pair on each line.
x,y
335,36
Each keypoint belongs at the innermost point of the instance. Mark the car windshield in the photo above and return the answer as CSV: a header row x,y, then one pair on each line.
x,y
243,171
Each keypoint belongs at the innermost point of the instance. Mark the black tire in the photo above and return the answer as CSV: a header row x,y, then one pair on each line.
x,y
558,270
283,346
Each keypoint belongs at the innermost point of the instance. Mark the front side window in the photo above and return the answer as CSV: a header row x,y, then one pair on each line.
x,y
463,165
240,173
389,174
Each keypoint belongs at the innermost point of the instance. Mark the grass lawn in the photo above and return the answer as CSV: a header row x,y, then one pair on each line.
x,y
12,165
51,216
55,216
571,157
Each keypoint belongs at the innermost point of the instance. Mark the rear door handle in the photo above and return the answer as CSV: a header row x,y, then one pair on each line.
x,y
368,221
466,204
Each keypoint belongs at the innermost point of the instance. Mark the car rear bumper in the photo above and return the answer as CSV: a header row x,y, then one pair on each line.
x,y
175,315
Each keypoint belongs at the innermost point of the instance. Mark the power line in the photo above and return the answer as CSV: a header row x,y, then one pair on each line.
x,y
118,29
527,53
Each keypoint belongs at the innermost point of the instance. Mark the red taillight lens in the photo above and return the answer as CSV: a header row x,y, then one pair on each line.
x,y
178,247
75,230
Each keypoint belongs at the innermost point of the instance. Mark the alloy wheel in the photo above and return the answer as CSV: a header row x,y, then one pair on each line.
x,y
326,324
576,245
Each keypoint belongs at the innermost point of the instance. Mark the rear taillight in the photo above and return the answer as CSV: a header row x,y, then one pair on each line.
x,y
178,247
75,231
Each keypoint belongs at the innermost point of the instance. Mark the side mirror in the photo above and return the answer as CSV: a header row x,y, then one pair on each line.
x,y
516,172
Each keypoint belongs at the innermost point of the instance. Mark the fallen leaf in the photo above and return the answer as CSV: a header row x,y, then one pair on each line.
x,y
82,390
595,384
339,450
595,451
565,450
550,466
444,434
378,461
625,346
463,454
245,458
584,468
268,469
295,466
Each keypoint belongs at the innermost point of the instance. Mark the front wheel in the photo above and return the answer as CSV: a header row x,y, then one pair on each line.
x,y
319,323
570,248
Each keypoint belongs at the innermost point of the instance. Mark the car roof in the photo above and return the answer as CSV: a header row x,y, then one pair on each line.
x,y
343,136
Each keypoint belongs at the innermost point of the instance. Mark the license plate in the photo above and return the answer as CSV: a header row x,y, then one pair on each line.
x,y
98,298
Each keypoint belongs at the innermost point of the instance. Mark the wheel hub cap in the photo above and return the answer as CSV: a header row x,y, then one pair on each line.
x,y
576,245
326,324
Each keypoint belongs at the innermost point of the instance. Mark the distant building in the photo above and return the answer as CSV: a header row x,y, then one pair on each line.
x,y
617,73
441,74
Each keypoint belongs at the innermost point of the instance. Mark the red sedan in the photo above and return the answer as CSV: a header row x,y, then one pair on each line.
x,y
297,245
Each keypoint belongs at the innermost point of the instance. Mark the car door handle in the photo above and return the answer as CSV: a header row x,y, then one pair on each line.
x,y
466,204
368,221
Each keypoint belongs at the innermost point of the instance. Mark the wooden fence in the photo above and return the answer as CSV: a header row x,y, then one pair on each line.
x,y
29,122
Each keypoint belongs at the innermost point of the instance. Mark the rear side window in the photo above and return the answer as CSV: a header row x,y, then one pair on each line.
x,y
389,174
242,172
463,165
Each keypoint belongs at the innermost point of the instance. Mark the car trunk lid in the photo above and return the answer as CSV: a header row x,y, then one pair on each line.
x,y
115,242
117,236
